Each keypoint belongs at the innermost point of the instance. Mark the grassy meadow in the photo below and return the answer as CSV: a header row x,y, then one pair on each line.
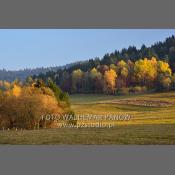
x,y
152,122
125,134
153,108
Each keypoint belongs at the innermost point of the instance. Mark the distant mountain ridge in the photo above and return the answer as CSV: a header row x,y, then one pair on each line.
x,y
11,75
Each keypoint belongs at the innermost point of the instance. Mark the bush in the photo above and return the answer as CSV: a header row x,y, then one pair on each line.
x,y
22,107
25,111
138,89
123,91
164,82
59,94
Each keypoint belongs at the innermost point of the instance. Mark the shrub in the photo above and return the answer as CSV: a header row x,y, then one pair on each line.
x,y
59,94
23,107
164,82
25,111
123,91
138,89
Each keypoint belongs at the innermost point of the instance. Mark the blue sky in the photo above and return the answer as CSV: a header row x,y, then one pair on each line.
x,y
30,48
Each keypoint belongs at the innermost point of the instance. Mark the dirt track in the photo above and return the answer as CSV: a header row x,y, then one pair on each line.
x,y
138,102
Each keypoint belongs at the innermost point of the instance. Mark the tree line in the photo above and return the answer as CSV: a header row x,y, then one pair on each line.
x,y
164,51
136,69
123,77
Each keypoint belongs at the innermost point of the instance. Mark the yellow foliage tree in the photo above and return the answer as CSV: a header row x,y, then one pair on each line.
x,y
113,66
77,76
27,106
110,80
95,74
122,69
146,71
164,68
122,72
16,91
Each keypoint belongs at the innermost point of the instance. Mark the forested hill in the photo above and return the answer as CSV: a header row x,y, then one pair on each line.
x,y
147,67
161,50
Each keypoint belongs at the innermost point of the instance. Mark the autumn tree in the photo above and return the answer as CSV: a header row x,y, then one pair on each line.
x,y
163,68
130,79
122,72
110,81
164,82
29,80
77,80
164,79
146,71
28,103
16,91
96,80
102,69
113,66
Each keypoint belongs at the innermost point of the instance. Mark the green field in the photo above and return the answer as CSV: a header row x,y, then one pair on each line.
x,y
152,122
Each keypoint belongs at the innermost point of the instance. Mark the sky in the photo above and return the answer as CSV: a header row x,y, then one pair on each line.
x,y
31,48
